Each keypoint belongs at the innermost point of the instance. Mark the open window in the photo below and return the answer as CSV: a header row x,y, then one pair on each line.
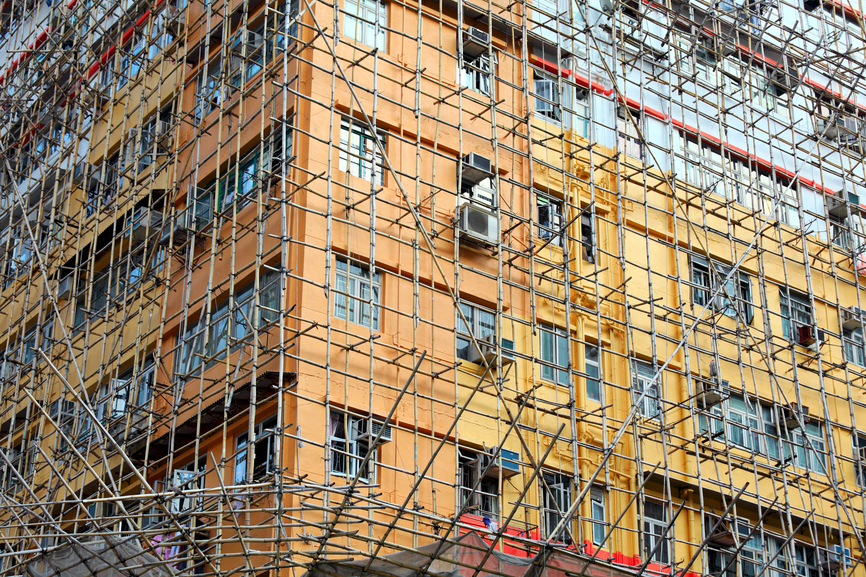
x,y
263,452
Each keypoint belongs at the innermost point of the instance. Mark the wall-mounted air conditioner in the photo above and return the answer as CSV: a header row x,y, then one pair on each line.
x,y
475,43
182,225
145,221
64,288
851,318
507,462
475,168
723,535
488,350
375,426
478,224
710,392
787,414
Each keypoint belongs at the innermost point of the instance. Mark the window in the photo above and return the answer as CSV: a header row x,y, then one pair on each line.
x,y
478,74
357,298
132,57
796,311
482,323
484,191
228,326
264,452
557,501
751,424
549,219
127,391
644,380
365,22
599,520
587,239
187,478
141,144
349,447
359,155
738,287
593,370
547,101
483,499
209,94
629,139
806,561
853,345
809,448
62,412
654,527
860,459
554,350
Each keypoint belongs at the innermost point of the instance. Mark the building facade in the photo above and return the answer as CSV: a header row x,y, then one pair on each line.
x,y
287,283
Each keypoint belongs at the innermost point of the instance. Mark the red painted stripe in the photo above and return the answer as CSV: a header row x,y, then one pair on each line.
x,y
743,155
142,19
91,72
549,66
72,3
127,36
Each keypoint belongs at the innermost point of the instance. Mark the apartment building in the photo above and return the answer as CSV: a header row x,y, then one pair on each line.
x,y
387,286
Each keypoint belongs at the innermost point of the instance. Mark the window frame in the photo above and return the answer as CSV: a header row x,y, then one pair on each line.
x,y
478,329
560,494
354,450
368,15
559,344
853,346
704,283
550,228
656,529
353,304
547,100
261,434
642,374
787,297
367,164
598,514
479,74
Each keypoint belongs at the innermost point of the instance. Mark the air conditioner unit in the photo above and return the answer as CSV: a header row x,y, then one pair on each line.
x,y
475,43
507,462
375,427
723,536
851,318
182,225
788,415
478,224
475,168
829,562
163,128
252,40
488,350
807,337
829,125
175,20
64,288
710,392
145,221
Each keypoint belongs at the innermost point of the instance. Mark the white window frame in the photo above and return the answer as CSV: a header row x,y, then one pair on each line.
x,y
475,315
484,499
739,287
360,20
181,478
793,303
654,530
555,351
592,367
551,227
854,346
478,75
560,485
348,452
642,376
262,433
598,514
359,155
547,99
350,304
